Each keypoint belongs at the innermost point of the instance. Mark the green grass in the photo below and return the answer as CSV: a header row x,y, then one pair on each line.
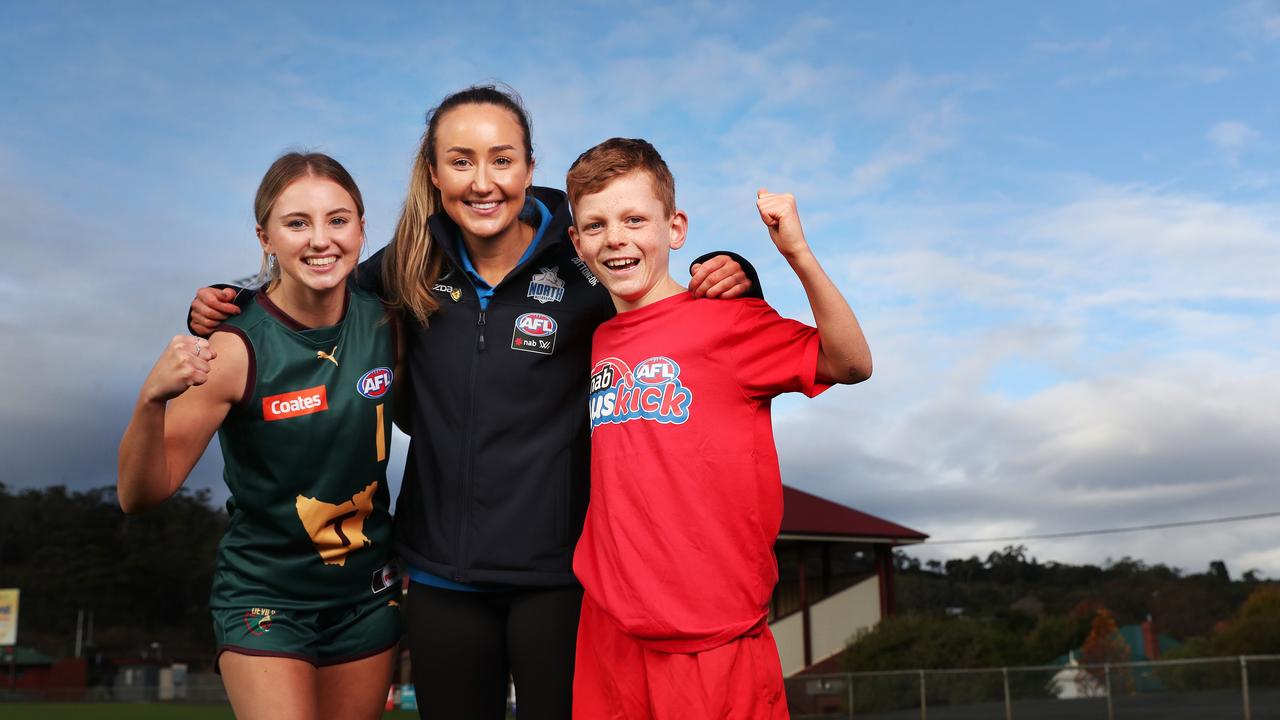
x,y
134,711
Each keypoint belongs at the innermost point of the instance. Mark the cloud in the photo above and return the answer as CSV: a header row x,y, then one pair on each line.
x,y
1093,454
1092,46
1258,17
1232,138
1202,74
925,136
1149,318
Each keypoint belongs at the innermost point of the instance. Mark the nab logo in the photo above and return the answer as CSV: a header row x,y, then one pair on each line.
x,y
536,324
657,370
375,383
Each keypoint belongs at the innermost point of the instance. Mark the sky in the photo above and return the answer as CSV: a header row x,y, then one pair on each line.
x,y
1057,223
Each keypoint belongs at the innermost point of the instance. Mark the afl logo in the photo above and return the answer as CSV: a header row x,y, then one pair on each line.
x,y
375,383
536,324
657,370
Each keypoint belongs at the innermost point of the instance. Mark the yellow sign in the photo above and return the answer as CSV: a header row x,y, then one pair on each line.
x,y
8,616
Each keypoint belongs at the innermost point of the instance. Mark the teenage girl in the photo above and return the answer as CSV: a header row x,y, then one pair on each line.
x,y
298,387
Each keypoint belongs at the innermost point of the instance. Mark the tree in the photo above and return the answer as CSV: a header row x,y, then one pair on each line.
x,y
144,577
1056,635
1253,630
1105,645
911,642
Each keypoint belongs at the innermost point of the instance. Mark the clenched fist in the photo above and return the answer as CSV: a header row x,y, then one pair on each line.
x,y
779,213
182,365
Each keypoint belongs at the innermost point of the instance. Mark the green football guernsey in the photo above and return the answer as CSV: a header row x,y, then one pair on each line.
x,y
306,457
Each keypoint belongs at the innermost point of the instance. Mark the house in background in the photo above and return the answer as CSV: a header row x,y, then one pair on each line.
x,y
1144,644
835,577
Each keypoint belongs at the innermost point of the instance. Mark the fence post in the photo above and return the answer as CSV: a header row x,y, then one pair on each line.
x,y
1244,687
1008,703
924,704
848,680
1106,674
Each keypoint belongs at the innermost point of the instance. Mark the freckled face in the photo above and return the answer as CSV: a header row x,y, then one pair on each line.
x,y
315,233
625,235
481,170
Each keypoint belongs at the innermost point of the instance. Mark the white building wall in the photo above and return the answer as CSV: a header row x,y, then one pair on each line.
x,y
834,621
789,634
838,618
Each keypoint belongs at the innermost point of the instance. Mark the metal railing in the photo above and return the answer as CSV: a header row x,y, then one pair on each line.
x,y
1223,688
1246,687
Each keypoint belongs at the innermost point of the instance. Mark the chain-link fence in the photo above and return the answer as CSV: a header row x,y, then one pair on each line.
x,y
1231,688
1245,687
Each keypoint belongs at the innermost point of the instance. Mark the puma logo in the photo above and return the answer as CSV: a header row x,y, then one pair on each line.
x,y
322,355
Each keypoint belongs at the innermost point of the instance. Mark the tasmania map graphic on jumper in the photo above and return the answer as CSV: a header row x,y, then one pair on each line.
x,y
650,391
337,530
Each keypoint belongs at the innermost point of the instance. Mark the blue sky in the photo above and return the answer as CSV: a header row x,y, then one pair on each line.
x,y
1058,224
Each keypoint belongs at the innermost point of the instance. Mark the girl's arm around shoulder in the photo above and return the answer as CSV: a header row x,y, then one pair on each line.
x,y
183,401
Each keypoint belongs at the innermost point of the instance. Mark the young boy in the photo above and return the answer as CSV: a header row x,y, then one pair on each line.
x,y
686,499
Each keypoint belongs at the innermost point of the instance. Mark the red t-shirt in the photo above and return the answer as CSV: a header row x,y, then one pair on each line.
x,y
686,497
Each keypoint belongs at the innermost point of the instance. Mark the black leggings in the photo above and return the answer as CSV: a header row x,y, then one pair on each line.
x,y
463,645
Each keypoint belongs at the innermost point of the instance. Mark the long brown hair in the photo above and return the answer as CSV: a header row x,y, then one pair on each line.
x,y
412,262
283,172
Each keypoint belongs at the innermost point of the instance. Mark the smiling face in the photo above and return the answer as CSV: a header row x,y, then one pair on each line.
x,y
315,232
625,235
482,171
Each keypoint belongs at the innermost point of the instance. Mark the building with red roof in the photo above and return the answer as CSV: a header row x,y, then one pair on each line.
x,y
835,576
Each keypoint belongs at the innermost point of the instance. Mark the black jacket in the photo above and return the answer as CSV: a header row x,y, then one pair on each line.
x,y
495,486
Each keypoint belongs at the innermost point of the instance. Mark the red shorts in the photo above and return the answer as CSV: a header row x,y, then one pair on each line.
x,y
616,678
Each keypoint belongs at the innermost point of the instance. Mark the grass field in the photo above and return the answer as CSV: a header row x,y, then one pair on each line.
x,y
134,711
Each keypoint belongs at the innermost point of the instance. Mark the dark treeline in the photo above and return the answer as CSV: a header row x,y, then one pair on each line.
x,y
1017,590
142,578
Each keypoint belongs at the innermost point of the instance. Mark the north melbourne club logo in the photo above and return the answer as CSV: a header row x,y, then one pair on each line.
x,y
546,286
650,391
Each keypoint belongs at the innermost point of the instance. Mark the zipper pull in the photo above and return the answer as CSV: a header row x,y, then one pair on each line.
x,y
480,322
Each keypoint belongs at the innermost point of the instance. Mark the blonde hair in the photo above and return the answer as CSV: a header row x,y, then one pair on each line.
x,y
283,172
412,262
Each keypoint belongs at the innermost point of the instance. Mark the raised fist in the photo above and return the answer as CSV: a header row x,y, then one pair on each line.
x,y
779,214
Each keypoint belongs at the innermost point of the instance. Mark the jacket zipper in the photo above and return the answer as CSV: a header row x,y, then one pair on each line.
x,y
466,489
